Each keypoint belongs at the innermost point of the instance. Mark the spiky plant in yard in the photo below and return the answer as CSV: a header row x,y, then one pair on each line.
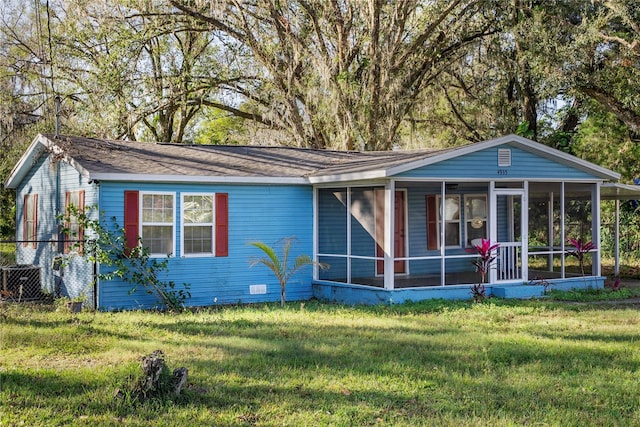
x,y
280,265
580,250
486,255
479,292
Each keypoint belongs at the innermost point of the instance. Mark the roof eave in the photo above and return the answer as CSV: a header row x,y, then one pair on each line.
x,y
21,169
119,177
345,177
38,146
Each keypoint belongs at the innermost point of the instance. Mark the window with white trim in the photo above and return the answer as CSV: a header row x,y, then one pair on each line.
x,y
75,230
30,220
475,214
198,224
451,220
157,223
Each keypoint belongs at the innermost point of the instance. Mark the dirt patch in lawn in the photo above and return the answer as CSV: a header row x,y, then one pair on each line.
x,y
630,283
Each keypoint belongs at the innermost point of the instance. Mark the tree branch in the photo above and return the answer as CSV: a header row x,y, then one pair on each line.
x,y
626,115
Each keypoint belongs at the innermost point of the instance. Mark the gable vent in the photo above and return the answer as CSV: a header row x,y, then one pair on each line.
x,y
504,157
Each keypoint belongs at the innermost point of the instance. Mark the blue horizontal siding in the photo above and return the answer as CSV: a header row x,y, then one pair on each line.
x,y
484,165
50,181
263,213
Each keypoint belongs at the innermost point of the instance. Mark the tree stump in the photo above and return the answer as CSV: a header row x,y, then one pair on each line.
x,y
152,381
179,379
152,367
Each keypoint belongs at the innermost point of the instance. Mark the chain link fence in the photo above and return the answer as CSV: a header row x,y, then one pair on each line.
x,y
44,270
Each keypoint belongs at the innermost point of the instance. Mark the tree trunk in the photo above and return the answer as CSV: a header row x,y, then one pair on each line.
x,y
283,296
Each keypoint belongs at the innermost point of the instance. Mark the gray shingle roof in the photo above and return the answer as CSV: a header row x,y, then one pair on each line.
x,y
98,156
109,160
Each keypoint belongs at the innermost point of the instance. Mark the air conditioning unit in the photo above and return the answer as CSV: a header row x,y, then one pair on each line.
x,y
21,283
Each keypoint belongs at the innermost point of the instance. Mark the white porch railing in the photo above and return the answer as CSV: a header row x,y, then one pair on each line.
x,y
508,261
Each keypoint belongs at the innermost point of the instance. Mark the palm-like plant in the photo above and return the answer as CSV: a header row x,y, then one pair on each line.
x,y
580,250
486,255
280,265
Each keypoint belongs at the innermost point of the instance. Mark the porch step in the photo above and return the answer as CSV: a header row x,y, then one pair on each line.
x,y
518,291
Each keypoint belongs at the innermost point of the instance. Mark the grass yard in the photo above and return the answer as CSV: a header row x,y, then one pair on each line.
x,y
7,254
499,363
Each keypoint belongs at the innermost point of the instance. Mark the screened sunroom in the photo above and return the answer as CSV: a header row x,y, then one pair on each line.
x,y
432,228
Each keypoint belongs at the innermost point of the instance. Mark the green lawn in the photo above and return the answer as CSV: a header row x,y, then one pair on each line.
x,y
499,363
7,254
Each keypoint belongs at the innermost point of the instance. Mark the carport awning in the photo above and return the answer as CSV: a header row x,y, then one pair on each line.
x,y
615,191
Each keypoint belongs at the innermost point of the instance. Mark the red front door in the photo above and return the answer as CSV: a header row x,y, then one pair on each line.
x,y
399,232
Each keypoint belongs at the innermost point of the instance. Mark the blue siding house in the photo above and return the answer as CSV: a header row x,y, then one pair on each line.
x,y
393,226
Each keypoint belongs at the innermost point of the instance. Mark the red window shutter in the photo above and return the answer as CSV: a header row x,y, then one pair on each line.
x,y
131,220
222,224
432,223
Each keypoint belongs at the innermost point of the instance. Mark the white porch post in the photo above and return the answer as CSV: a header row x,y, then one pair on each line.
x,y
551,236
389,222
493,226
562,231
617,240
443,237
316,258
525,232
596,268
348,219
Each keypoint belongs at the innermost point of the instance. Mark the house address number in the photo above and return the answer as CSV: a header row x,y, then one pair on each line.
x,y
503,171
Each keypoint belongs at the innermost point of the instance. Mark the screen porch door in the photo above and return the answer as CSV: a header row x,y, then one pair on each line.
x,y
509,219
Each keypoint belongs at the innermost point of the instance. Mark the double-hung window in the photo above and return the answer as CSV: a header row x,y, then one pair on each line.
x,y
151,217
73,207
198,224
30,220
451,221
475,213
158,223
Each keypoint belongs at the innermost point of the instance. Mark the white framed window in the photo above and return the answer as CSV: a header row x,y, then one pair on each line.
x,y
451,221
198,224
157,225
30,221
475,214
75,229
